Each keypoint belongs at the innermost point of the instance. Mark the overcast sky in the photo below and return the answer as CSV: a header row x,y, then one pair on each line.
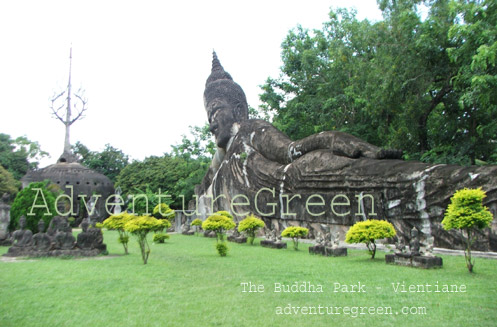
x,y
142,64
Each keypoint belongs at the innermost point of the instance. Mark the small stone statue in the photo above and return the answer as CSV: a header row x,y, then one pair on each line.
x,y
85,239
429,245
320,241
42,241
414,242
22,237
336,241
63,238
400,246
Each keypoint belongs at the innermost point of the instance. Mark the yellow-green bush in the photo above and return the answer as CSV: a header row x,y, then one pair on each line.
x,y
117,222
219,224
295,232
164,211
140,226
249,226
197,223
467,213
368,231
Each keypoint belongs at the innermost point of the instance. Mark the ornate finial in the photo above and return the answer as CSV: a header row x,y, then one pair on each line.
x,y
217,71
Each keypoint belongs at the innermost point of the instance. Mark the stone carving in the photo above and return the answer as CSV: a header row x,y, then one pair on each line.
x,y
273,240
413,257
328,245
186,229
350,179
57,241
236,237
4,221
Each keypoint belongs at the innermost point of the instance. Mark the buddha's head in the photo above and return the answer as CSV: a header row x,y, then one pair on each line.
x,y
225,103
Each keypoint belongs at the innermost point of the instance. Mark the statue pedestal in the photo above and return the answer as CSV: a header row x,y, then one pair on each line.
x,y
328,251
188,232
237,239
273,245
417,261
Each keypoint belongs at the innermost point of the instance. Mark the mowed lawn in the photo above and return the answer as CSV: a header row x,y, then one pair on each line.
x,y
186,283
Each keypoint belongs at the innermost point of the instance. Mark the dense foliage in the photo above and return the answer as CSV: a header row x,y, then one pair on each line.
x,y
19,155
368,232
421,80
35,202
219,223
467,213
295,232
163,211
109,162
249,226
7,183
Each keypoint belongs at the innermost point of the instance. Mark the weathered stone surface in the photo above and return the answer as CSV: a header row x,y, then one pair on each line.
x,y
273,245
330,178
4,220
414,261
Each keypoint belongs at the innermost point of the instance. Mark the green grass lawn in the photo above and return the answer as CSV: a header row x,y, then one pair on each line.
x,y
186,283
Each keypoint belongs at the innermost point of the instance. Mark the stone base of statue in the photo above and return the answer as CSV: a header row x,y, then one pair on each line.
x,y
188,232
211,234
328,251
273,245
32,252
417,261
237,239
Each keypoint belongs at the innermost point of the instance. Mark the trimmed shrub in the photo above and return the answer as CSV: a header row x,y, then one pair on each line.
x,y
117,222
160,237
222,249
467,213
218,223
249,226
295,232
368,232
142,225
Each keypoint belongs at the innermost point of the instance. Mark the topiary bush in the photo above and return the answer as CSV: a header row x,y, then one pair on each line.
x,y
117,222
467,213
218,223
35,202
140,226
160,237
295,232
197,223
368,232
222,248
249,226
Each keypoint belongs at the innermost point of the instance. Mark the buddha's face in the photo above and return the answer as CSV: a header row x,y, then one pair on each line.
x,y
221,121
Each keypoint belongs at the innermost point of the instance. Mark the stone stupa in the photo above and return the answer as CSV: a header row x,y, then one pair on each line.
x,y
67,171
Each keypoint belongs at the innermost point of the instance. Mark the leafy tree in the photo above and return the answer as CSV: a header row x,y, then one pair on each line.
x,y
368,232
250,225
109,162
295,232
404,82
7,183
19,155
117,222
467,213
34,202
140,227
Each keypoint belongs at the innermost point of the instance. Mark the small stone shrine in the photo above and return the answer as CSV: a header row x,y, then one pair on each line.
x,y
273,240
4,221
328,245
58,240
417,255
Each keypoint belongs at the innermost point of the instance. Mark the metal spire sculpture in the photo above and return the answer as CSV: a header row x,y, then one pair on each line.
x,y
63,100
